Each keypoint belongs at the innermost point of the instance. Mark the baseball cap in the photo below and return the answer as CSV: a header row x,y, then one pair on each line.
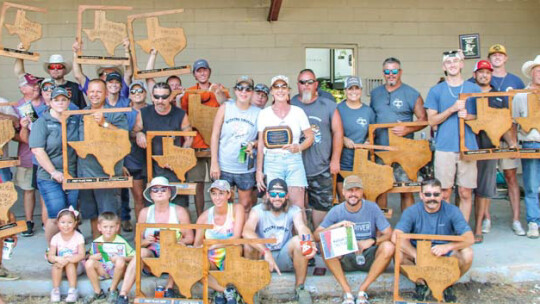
x,y
28,79
352,181
139,83
261,87
279,77
114,76
47,81
200,63
353,81
277,185
497,48
59,91
482,64
244,78
220,184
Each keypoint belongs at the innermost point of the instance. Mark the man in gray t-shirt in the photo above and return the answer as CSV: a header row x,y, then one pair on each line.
x,y
372,231
275,218
321,160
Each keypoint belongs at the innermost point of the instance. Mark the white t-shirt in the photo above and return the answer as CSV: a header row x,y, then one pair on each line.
x,y
296,119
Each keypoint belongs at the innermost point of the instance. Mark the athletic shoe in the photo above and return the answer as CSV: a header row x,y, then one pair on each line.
x,y
29,229
122,300
219,298
169,293
348,299
449,296
72,296
302,295
421,292
533,230
232,296
112,298
6,275
518,229
94,297
362,298
55,295
486,226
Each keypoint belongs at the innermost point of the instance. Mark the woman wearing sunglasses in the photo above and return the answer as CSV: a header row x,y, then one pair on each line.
x,y
161,193
233,140
285,162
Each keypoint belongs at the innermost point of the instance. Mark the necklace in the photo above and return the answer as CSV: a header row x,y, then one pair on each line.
x,y
450,90
500,84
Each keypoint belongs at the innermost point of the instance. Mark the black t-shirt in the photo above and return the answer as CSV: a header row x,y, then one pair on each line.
x,y
498,102
75,95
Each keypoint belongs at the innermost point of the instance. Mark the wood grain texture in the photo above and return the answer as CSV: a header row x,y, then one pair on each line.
x,y
495,122
201,117
179,160
110,33
7,132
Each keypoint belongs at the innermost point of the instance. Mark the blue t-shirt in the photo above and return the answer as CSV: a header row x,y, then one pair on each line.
x,y
355,126
442,97
447,221
368,220
392,107
507,83
122,102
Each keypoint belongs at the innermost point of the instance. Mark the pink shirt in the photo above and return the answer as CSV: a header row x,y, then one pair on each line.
x,y
69,247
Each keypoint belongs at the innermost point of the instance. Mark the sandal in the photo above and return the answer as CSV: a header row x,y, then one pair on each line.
x,y
348,299
478,238
362,298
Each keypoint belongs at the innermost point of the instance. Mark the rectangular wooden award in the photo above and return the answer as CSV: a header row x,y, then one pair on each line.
x,y
277,137
7,132
27,31
166,41
110,33
96,138
8,197
178,159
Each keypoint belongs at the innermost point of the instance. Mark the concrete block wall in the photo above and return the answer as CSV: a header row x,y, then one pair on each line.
x,y
236,38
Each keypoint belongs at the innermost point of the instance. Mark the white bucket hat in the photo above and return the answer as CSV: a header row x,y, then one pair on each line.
x,y
529,65
159,181
57,58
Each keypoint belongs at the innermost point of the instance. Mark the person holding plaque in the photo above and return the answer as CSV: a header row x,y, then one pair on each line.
x,y
279,149
233,140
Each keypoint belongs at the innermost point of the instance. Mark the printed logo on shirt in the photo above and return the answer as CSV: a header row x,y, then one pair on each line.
x,y
362,229
317,133
361,121
398,103
70,93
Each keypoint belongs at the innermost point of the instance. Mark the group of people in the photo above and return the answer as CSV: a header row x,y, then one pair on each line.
x,y
291,179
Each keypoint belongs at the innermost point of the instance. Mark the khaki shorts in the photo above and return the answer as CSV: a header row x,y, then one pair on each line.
x,y
508,163
23,178
198,173
448,167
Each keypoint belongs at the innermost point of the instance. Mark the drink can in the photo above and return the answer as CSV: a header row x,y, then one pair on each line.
x,y
160,292
242,153
306,244
7,251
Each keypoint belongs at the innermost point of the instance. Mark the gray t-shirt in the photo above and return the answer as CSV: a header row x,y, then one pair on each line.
x,y
355,127
320,113
368,220
392,107
47,134
280,227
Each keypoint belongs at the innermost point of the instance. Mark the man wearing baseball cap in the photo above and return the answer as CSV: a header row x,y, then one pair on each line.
x,y
372,231
276,218
487,169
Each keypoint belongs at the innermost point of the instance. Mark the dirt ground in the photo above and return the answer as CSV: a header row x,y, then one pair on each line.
x,y
468,293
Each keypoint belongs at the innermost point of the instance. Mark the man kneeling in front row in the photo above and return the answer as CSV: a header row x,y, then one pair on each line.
x,y
435,216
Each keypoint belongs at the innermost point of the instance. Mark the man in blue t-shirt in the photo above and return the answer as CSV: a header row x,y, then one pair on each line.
x,y
435,216
444,109
396,102
372,231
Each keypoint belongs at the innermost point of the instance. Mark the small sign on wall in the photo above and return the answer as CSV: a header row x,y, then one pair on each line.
x,y
470,44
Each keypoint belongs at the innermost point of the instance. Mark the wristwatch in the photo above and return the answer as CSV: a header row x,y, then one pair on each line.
x,y
105,124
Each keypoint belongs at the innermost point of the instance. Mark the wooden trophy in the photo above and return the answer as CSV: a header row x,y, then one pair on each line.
x,y
110,33
27,31
8,197
108,146
167,41
7,132
277,137
532,121
202,119
178,159
412,155
438,272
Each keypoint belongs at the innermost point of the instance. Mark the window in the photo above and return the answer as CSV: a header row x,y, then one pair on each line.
x,y
331,64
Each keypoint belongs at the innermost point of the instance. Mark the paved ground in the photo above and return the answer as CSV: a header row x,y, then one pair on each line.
x,y
502,258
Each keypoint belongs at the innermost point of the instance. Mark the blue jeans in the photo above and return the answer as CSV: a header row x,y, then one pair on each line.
x,y
55,197
124,205
531,182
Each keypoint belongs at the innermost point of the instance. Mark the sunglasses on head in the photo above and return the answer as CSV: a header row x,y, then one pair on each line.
x,y
48,88
56,66
280,194
243,88
161,96
158,189
393,71
139,90
280,86
430,194
450,52
308,82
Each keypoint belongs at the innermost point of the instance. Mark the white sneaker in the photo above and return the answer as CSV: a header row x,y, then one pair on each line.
x,y
518,230
486,226
72,296
55,295
533,231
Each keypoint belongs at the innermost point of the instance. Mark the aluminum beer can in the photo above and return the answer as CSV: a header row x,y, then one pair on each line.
x,y
160,292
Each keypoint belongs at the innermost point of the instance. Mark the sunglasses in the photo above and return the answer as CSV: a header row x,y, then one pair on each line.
x,y
450,52
393,71
48,88
280,86
161,96
430,194
308,82
280,194
139,91
56,66
158,189
242,88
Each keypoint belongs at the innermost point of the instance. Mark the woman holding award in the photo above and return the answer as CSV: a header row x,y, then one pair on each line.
x,y
279,153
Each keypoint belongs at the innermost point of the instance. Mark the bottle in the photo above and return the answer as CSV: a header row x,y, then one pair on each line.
x,y
242,153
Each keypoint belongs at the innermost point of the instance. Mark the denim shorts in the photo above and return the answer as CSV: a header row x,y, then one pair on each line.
x,y
286,166
243,181
55,197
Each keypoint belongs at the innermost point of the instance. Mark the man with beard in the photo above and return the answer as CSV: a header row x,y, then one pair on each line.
x,y
435,216
321,160
275,218
444,108
396,102
373,232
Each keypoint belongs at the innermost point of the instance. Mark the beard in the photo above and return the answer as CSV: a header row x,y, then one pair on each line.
x,y
306,96
278,209
353,200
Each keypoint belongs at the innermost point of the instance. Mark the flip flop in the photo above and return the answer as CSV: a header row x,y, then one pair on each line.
x,y
478,239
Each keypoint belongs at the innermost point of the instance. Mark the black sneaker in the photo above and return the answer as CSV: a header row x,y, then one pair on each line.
x,y
122,300
29,229
94,297
169,293
449,295
421,292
